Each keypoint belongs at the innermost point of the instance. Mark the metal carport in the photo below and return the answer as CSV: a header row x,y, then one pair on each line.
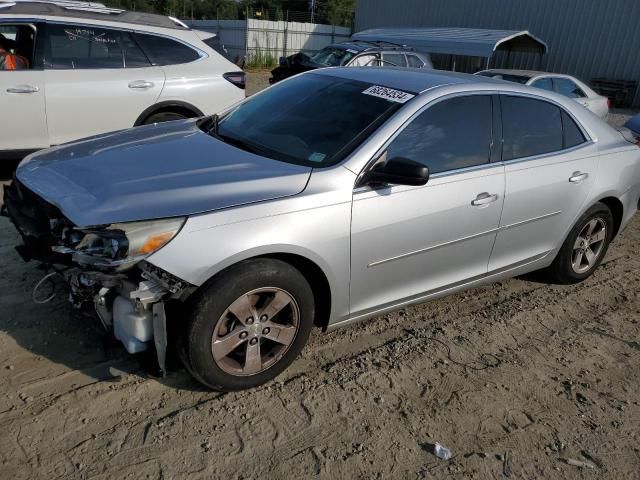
x,y
473,42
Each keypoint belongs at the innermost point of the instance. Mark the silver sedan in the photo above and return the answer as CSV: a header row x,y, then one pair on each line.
x,y
330,198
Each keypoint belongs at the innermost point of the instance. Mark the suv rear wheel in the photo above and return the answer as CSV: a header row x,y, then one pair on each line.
x,y
163,117
248,325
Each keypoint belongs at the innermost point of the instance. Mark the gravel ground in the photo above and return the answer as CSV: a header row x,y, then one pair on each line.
x,y
519,379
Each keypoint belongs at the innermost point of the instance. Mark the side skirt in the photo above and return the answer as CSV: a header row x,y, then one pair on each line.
x,y
530,264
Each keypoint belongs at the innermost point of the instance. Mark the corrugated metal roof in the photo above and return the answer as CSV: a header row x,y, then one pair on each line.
x,y
457,41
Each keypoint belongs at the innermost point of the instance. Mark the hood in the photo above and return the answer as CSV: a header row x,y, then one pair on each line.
x,y
156,171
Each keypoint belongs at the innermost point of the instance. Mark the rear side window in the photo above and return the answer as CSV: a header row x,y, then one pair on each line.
x,y
394,60
530,127
165,51
572,134
414,61
134,57
566,87
544,84
82,47
452,134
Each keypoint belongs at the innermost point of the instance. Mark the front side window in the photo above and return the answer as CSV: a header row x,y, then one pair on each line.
x,y
313,120
17,44
452,134
568,88
530,127
165,51
82,47
544,84
394,60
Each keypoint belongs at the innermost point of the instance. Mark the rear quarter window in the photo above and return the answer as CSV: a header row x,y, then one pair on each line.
x,y
165,51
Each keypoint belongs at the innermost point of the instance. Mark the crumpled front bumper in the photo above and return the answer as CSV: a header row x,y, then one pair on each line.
x,y
130,305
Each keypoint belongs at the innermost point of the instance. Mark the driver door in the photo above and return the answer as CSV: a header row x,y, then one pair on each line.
x,y
410,241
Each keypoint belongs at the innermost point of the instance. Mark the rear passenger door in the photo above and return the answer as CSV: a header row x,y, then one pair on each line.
x,y
97,80
549,167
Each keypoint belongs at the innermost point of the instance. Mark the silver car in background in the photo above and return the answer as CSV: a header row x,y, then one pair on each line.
x,y
565,85
329,198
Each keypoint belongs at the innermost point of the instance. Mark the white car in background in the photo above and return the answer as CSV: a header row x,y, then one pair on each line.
x,y
95,69
554,82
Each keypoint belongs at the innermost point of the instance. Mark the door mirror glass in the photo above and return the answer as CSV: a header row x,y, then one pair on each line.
x,y
397,171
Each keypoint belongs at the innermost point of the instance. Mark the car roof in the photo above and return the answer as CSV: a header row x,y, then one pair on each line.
x,y
362,46
88,11
414,80
525,73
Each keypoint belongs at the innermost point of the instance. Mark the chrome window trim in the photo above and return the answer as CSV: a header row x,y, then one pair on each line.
x,y
542,156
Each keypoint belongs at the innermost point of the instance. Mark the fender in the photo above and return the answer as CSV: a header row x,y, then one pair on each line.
x,y
156,107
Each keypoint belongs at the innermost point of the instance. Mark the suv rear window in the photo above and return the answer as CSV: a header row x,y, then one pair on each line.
x,y
165,51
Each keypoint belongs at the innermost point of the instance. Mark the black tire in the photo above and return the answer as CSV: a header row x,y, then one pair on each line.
x,y
164,117
562,269
210,314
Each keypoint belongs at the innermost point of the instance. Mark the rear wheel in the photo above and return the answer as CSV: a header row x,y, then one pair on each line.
x,y
164,117
249,324
585,246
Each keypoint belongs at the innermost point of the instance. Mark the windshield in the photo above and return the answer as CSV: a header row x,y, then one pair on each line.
x,y
314,120
333,57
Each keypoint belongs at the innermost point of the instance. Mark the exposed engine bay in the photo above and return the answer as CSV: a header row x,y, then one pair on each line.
x,y
103,268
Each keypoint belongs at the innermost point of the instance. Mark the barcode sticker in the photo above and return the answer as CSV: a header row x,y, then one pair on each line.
x,y
390,94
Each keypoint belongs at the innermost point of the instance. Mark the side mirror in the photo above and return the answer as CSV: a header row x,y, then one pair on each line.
x,y
397,171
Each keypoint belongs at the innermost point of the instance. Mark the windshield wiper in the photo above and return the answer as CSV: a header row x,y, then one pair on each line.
x,y
215,122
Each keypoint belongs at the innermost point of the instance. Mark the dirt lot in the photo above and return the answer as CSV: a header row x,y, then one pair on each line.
x,y
519,379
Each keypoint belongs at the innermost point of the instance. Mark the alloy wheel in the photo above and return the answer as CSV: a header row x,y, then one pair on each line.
x,y
589,245
255,331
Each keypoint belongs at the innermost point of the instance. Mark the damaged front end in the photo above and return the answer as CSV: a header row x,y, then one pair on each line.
x,y
104,266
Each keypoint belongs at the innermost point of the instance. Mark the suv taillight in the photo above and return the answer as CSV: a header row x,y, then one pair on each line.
x,y
237,78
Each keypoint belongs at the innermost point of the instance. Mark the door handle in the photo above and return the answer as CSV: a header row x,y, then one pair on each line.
x,y
141,84
484,199
23,89
578,177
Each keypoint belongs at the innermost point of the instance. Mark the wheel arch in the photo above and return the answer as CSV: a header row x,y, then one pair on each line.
x,y
310,269
169,106
617,210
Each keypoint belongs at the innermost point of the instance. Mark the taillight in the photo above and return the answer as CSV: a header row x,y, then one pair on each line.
x,y
609,103
237,78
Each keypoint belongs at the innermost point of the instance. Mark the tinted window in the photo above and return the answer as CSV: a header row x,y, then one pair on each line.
x,y
505,76
81,47
543,83
313,120
452,134
164,51
414,61
572,134
567,88
394,60
133,56
530,127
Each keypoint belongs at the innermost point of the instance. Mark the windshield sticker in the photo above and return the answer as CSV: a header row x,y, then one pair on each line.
x,y
390,94
317,157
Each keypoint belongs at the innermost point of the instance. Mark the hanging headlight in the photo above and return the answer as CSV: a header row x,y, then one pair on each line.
x,y
122,245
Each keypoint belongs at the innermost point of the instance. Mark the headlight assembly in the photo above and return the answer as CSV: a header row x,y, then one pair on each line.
x,y
122,245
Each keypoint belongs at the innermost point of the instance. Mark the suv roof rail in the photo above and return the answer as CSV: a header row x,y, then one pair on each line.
x,y
88,6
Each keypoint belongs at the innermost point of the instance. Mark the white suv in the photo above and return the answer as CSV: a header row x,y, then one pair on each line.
x,y
94,69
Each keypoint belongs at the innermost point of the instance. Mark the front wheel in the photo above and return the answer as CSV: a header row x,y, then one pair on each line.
x,y
249,324
585,246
